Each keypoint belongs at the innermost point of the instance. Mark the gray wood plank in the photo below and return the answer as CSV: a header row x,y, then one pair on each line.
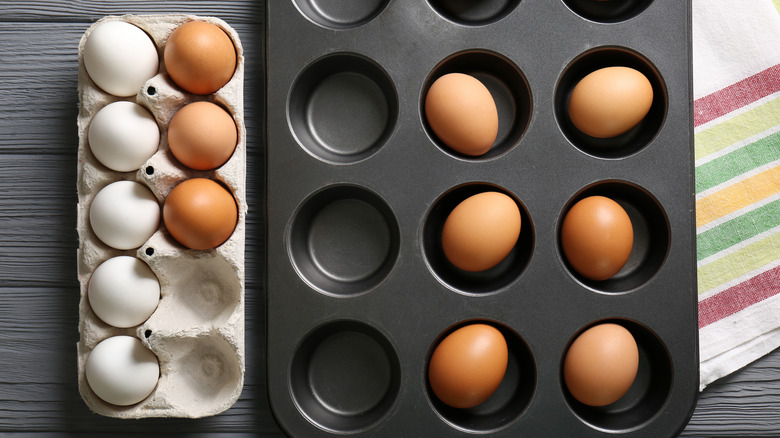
x,y
745,403
91,10
39,74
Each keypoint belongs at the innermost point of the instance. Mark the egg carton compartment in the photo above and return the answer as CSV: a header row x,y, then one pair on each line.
x,y
199,374
196,331
360,292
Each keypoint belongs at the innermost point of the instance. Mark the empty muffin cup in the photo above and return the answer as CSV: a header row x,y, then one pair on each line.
x,y
345,376
337,91
341,15
344,240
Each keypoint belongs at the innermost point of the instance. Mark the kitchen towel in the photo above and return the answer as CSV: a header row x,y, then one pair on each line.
x,y
736,79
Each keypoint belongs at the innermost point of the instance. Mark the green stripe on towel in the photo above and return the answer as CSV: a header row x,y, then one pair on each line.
x,y
736,163
738,229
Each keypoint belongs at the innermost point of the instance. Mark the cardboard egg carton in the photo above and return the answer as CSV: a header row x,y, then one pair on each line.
x,y
197,330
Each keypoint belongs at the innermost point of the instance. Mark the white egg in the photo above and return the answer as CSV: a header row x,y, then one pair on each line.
x,y
122,371
123,291
120,57
123,135
124,214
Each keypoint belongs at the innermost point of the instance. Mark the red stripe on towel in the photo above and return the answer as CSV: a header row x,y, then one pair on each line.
x,y
739,297
736,96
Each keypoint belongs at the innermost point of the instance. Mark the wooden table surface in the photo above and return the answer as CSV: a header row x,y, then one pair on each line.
x,y
38,288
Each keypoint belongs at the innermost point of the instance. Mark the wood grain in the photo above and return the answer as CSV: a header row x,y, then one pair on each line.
x,y
85,11
38,288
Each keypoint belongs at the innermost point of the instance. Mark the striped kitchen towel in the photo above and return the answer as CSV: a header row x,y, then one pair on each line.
x,y
736,70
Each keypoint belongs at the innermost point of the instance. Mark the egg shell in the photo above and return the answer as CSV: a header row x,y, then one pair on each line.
x,y
601,364
481,231
124,214
123,135
610,101
202,135
597,237
199,57
200,214
468,365
197,329
123,291
120,57
462,113
122,371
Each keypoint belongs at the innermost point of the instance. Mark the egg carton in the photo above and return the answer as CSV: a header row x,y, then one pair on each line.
x,y
197,330
359,292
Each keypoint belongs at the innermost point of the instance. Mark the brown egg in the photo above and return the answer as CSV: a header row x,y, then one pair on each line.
x,y
601,364
462,113
597,237
202,135
467,366
481,231
200,213
200,57
610,101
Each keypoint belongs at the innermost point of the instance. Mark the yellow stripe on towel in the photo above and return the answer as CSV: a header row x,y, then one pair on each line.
x,y
737,196
739,263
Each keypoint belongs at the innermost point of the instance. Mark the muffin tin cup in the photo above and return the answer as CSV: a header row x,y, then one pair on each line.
x,y
482,282
344,240
510,399
600,11
651,235
538,302
472,13
338,90
507,86
339,15
197,329
345,376
647,395
636,138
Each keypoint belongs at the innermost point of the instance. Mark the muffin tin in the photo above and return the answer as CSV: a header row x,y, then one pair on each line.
x,y
358,187
197,330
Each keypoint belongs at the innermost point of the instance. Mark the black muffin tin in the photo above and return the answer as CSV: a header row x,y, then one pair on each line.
x,y
358,187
